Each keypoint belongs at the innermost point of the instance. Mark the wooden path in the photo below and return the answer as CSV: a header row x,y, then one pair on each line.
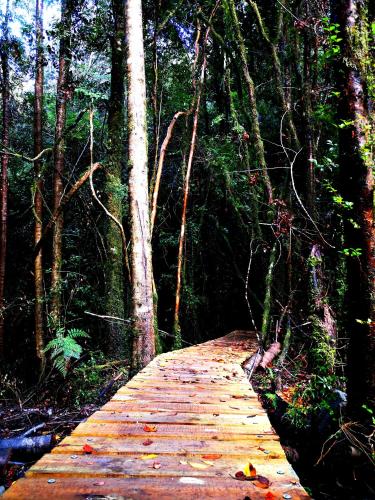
x,y
183,428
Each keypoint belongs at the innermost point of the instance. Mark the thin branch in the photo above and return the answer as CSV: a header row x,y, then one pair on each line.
x,y
108,213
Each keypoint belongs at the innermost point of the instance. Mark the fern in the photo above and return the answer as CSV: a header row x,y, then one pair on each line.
x,y
65,347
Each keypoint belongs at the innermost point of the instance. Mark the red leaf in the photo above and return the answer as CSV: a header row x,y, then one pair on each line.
x,y
211,456
88,449
150,428
240,476
147,442
270,496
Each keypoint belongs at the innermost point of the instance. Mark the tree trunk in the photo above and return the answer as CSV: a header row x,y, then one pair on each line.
x,y
273,49
258,142
181,243
114,188
4,168
357,186
62,98
38,199
141,265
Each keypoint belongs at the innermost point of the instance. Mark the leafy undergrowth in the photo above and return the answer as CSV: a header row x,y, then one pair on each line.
x,y
333,458
53,407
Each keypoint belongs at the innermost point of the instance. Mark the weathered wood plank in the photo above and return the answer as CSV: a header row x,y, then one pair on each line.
x,y
186,487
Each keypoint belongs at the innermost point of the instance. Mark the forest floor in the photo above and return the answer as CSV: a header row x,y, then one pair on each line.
x,y
51,410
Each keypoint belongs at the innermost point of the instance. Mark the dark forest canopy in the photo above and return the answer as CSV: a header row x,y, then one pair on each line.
x,y
167,179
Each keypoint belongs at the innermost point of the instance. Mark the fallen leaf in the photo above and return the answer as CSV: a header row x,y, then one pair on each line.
x,y
249,470
150,428
208,462
261,482
88,449
260,448
269,496
156,465
148,457
198,465
237,396
99,483
147,442
212,456
240,475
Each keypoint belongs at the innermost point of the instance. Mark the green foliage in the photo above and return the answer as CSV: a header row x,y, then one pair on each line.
x,y
332,32
312,397
351,252
89,378
65,347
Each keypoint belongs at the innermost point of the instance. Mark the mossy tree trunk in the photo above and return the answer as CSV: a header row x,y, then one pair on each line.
x,y
357,186
4,55
256,136
38,186
62,98
115,305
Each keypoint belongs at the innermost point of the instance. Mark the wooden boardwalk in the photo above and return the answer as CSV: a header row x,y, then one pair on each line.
x,y
183,428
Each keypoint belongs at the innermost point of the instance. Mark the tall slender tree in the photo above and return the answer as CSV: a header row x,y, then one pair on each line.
x,y
114,188
63,94
38,198
4,55
141,264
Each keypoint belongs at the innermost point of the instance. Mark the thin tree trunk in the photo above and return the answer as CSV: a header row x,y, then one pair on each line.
x,y
357,186
62,98
309,155
115,259
159,172
268,294
272,47
181,244
141,264
258,142
38,199
4,169
156,183
154,96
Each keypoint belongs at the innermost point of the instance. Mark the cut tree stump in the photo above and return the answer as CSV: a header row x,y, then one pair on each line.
x,y
187,426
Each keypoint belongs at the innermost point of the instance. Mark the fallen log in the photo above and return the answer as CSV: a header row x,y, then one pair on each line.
x,y
30,445
4,458
270,354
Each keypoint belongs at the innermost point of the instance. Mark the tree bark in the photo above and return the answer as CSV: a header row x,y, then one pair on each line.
x,y
258,142
63,95
357,186
141,264
114,188
4,168
38,199
273,49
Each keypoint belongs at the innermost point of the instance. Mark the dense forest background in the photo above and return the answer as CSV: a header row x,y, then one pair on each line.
x,y
256,211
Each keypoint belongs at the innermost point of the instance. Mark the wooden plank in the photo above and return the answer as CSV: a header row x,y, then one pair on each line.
x,y
255,419
162,406
225,433
186,487
161,465
183,446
